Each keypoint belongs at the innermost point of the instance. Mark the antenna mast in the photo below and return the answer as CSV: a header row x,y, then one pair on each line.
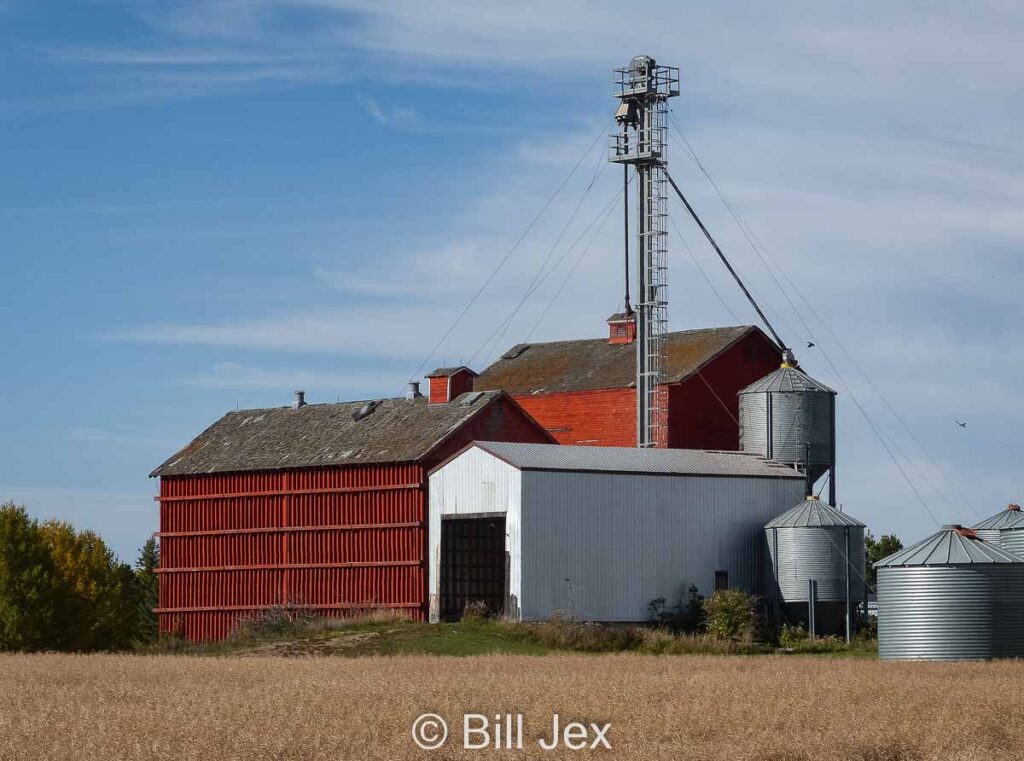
x,y
643,89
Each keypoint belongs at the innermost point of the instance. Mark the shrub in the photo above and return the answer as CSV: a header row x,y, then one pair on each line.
x,y
686,616
274,622
475,610
565,632
792,636
730,614
797,640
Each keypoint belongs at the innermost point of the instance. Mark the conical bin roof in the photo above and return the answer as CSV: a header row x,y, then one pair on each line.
x,y
787,379
953,545
813,513
1012,517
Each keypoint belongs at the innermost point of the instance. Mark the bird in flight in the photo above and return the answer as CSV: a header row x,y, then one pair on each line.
x,y
811,344
962,425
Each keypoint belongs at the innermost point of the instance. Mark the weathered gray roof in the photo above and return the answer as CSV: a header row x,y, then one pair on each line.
x,y
442,372
950,546
786,380
398,430
1004,519
594,363
813,513
695,462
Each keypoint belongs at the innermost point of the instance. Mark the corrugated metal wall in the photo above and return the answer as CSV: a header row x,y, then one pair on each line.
x,y
951,612
328,540
780,425
602,546
819,553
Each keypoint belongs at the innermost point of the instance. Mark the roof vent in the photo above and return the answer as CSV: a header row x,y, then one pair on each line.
x,y
470,398
412,391
515,351
366,409
300,400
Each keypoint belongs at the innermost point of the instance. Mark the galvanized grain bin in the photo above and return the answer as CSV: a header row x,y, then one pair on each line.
x,y
816,542
789,417
1005,528
951,596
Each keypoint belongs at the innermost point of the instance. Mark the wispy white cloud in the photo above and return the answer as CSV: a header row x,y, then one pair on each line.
x,y
238,376
172,57
393,333
430,275
392,116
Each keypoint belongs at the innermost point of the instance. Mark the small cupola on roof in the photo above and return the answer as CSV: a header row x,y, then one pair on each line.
x,y
447,383
622,328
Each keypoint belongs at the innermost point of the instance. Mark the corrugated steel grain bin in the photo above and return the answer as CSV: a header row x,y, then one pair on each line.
x,y
319,508
1005,528
951,596
598,532
814,541
789,417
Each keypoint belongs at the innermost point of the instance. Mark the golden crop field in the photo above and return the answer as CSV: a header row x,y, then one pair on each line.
x,y
690,707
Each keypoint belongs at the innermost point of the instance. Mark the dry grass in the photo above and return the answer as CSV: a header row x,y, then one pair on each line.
x,y
696,707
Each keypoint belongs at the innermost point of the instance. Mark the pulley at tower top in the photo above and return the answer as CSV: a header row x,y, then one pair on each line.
x,y
642,89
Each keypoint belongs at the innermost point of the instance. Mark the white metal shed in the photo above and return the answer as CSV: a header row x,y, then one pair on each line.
x,y
597,532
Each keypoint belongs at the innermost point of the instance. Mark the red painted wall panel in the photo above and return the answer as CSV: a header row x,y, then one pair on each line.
x,y
696,418
437,390
703,411
604,418
330,540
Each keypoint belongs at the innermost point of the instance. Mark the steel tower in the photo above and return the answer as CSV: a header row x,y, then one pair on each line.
x,y
643,89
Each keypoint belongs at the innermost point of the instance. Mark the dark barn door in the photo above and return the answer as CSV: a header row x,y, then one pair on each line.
x,y
472,565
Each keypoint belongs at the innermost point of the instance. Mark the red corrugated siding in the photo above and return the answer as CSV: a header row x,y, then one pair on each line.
x,y
331,540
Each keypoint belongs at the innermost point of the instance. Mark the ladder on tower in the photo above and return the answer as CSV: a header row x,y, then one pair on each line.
x,y
655,306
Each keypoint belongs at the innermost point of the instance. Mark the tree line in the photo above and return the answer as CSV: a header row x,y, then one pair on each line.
x,y
62,589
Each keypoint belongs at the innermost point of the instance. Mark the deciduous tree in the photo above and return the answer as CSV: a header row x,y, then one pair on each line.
x,y
29,587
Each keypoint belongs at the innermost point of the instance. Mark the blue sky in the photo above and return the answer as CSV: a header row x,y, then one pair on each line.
x,y
208,205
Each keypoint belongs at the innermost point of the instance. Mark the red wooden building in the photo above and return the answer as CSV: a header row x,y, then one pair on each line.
x,y
321,507
584,392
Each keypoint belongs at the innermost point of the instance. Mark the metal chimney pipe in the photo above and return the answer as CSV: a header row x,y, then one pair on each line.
x,y
300,400
412,391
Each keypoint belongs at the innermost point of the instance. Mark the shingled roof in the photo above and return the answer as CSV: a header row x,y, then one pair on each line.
x,y
397,430
595,363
